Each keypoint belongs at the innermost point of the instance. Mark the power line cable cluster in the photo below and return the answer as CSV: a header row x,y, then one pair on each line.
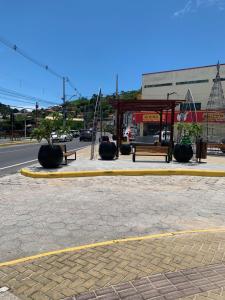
x,y
14,95
74,88
25,55
38,63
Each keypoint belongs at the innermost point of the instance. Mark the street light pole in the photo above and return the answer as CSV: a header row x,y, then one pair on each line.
x,y
167,98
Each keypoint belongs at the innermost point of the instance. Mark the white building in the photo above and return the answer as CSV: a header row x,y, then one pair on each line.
x,y
198,79
205,85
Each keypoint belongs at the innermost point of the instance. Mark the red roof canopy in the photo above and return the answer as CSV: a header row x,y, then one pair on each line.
x,y
156,105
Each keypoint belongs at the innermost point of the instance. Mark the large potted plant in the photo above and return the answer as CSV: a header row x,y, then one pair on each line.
x,y
107,150
187,132
125,149
50,155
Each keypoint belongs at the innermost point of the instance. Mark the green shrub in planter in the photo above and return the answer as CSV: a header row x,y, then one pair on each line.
x,y
183,151
49,155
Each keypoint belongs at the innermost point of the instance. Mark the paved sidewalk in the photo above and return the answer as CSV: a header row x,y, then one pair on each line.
x,y
39,215
50,214
189,266
83,163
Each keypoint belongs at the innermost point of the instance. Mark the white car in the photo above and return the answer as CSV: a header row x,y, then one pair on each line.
x,y
66,137
165,136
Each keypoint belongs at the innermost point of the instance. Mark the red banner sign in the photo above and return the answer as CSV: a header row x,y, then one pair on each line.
x,y
189,117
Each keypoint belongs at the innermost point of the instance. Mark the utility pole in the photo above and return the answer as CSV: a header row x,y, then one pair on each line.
x,y
12,124
100,104
25,126
116,119
94,129
117,93
36,114
64,101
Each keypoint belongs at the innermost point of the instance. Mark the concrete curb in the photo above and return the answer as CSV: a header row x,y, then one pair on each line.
x,y
108,243
144,172
18,143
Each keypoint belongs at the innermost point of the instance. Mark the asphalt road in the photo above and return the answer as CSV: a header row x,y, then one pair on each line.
x,y
13,158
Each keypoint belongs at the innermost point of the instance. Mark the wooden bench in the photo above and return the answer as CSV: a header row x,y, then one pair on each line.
x,y
151,150
66,154
216,147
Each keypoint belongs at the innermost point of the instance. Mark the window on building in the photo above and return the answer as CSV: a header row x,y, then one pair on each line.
x,y
192,81
157,85
190,106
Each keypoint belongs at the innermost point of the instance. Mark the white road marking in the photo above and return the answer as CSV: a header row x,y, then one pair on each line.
x,y
6,152
18,164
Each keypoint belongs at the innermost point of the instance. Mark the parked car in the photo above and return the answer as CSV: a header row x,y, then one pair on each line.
x,y
54,137
66,137
75,133
85,135
130,133
165,136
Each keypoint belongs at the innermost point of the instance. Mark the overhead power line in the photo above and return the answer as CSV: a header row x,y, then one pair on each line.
x,y
11,98
17,95
21,107
74,88
43,66
27,56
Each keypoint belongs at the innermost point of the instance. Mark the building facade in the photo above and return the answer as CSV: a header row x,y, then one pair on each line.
x,y
202,87
199,80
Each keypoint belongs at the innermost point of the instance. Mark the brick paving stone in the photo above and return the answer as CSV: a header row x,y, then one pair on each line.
x,y
86,296
140,282
127,293
154,287
104,291
173,295
123,286
150,294
191,291
134,269
144,288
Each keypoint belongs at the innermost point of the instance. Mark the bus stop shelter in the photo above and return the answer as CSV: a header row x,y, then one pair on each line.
x,y
149,105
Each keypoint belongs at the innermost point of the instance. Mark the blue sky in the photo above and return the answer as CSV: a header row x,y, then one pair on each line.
x,y
92,40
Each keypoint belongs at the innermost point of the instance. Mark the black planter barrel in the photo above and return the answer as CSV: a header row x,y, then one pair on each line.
x,y
182,153
125,149
107,150
104,138
50,156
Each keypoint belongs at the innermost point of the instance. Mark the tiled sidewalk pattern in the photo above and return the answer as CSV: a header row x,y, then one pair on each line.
x,y
63,275
62,213
167,286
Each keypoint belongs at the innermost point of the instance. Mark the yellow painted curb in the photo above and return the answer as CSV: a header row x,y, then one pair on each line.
x,y
108,243
159,172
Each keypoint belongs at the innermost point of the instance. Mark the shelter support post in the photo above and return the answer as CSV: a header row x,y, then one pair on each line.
x,y
121,129
172,126
118,130
160,126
